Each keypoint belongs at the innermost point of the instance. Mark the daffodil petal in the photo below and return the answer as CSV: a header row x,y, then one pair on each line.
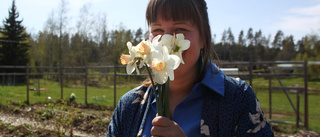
x,y
161,77
170,74
148,42
132,52
141,63
157,55
179,54
138,72
165,54
184,44
155,44
156,39
146,60
166,41
130,67
156,47
129,45
179,37
174,61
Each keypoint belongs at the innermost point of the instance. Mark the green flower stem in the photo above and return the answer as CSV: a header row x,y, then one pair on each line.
x,y
167,100
154,89
158,101
162,96
160,112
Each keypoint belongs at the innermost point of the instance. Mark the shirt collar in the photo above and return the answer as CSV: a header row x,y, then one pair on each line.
x,y
213,79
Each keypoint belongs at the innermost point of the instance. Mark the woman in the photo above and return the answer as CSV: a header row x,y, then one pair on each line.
x,y
203,101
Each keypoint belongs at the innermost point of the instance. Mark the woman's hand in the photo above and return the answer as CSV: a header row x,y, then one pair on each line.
x,y
165,127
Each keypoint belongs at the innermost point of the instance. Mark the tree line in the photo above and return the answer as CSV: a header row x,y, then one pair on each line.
x,y
254,46
94,44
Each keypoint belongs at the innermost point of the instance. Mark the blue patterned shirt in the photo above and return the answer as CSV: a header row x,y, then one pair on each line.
x,y
187,113
229,107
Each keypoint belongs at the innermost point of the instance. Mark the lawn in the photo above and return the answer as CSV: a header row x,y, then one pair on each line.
x,y
281,104
99,94
103,94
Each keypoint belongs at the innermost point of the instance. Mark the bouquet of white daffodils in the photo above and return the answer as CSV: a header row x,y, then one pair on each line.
x,y
163,55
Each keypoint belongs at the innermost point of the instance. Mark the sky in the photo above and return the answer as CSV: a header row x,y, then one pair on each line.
x,y
294,17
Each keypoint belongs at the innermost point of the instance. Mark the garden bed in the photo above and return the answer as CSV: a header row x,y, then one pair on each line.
x,y
66,119
54,119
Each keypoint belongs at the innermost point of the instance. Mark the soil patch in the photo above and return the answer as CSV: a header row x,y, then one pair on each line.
x,y
72,119
54,119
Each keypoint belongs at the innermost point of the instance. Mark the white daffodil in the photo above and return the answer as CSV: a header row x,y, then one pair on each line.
x,y
155,54
179,45
144,49
156,45
125,59
163,65
168,41
131,65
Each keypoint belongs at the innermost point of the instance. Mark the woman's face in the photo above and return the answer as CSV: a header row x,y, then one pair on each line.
x,y
191,33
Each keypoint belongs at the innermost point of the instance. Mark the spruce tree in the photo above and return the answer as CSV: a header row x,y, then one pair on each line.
x,y
14,42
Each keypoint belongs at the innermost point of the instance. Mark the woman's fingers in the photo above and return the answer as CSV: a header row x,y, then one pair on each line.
x,y
165,127
162,121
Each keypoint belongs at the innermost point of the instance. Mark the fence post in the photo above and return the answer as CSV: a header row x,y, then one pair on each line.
x,y
27,76
250,72
305,65
115,86
14,78
61,82
298,110
270,95
86,85
3,80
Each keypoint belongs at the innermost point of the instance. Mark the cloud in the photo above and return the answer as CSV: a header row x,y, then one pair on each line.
x,y
300,21
311,11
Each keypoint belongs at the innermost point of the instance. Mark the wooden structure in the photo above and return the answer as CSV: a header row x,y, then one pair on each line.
x,y
298,90
234,72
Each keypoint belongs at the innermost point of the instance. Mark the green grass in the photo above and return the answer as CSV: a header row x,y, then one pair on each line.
x,y
281,104
264,83
103,95
100,95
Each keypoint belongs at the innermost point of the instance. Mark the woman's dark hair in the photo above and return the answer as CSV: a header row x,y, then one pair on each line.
x,y
186,10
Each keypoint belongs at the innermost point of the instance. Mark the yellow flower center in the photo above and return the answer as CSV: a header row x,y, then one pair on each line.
x,y
125,59
143,48
158,65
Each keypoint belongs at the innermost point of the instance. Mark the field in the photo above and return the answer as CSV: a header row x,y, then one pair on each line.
x,y
99,94
281,108
100,106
